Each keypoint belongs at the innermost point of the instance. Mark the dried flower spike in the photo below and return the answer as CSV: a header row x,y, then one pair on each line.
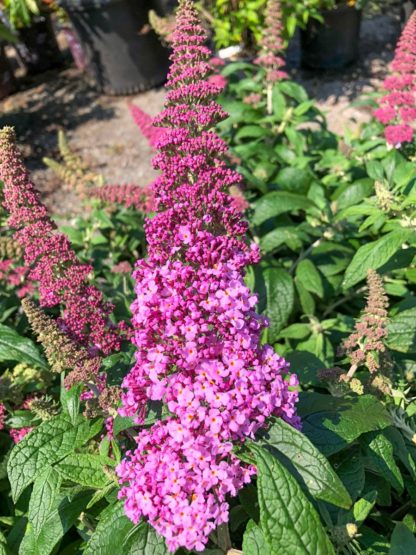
x,y
61,278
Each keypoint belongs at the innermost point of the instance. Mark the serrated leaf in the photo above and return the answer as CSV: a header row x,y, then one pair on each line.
x,y
309,277
254,542
278,202
44,494
402,331
110,532
315,470
16,348
333,423
280,299
373,255
47,444
380,454
352,474
65,513
403,542
143,540
84,469
290,523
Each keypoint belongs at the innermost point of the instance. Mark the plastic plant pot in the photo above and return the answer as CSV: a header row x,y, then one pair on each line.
x,y
334,43
38,46
123,53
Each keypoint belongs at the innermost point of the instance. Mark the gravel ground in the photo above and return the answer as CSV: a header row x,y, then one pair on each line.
x,y
100,127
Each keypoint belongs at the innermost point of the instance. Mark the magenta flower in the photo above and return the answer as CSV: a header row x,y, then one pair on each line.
x,y
145,123
61,278
129,196
196,330
397,109
3,415
18,434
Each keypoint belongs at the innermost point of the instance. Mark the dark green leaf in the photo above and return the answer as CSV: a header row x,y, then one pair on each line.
x,y
373,255
309,277
280,299
319,477
289,521
403,542
44,494
16,348
279,202
402,331
84,469
332,423
143,540
111,531
43,446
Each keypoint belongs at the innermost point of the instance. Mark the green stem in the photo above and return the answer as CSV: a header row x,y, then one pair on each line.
x,y
223,537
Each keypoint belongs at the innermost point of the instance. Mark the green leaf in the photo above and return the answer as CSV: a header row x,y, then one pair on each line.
x,y
305,365
45,445
351,472
254,542
59,521
319,477
294,90
19,349
363,507
295,180
380,455
373,255
290,523
280,299
279,103
333,423
83,469
44,494
309,277
288,235
111,531
403,542
306,300
278,202
143,540
402,331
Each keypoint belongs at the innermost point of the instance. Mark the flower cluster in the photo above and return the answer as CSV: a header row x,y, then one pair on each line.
x,y
16,276
397,109
366,344
135,196
17,434
196,330
272,44
62,279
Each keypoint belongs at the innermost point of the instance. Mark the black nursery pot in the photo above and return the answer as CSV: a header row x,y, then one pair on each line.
x,y
124,55
40,50
334,43
7,81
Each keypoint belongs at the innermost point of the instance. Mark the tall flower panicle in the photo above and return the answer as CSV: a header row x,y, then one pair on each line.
x,y
196,330
128,195
397,109
62,279
365,346
145,123
272,44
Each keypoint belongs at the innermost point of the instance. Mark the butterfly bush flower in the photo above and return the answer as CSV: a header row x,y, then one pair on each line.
x,y
272,44
145,123
62,279
128,195
397,110
196,330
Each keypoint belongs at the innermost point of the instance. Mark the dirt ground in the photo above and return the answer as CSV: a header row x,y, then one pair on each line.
x,y
100,127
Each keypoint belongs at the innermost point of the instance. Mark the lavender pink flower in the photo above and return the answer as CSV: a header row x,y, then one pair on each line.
x,y
17,434
62,280
196,330
397,109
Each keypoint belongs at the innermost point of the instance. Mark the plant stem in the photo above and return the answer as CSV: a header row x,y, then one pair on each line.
x,y
343,300
269,92
223,537
304,254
